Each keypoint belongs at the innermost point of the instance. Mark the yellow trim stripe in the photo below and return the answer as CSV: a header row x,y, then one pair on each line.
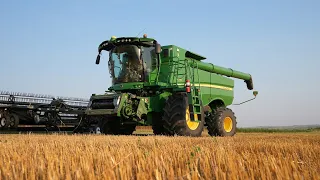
x,y
212,86
216,86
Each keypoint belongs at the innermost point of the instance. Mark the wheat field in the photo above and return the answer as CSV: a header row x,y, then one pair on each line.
x,y
244,156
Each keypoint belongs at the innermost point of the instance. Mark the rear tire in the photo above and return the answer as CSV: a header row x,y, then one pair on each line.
x,y
176,117
221,122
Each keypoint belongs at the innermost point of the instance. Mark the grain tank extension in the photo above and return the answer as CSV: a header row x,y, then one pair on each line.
x,y
166,87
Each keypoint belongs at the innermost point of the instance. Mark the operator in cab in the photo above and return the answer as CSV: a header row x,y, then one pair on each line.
x,y
130,63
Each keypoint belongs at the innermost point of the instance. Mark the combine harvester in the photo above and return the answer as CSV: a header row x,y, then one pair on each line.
x,y
34,110
168,88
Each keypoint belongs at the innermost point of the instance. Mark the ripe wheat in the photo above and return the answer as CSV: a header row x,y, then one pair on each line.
x,y
245,156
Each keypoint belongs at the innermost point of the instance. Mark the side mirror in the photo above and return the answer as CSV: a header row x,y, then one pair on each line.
x,y
158,48
98,59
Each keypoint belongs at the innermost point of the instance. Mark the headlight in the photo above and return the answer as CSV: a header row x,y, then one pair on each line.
x,y
116,100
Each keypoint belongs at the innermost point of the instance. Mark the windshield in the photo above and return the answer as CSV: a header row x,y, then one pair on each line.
x,y
129,63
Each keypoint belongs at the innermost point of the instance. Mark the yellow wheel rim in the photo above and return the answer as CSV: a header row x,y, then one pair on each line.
x,y
192,124
227,123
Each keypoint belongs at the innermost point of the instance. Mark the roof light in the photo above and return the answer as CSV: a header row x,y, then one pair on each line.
x,y
113,37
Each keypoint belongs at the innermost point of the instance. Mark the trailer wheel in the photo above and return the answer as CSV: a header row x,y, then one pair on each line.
x,y
177,117
3,122
222,122
12,121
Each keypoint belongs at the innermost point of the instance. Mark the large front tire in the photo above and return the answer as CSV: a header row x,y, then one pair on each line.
x,y
157,123
221,122
114,127
177,117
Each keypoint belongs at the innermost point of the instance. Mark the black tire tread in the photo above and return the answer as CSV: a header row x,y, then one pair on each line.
x,y
174,117
157,123
215,122
115,128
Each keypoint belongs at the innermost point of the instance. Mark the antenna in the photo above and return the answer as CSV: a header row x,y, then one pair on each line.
x,y
140,32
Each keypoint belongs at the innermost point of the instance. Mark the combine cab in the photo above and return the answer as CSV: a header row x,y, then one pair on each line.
x,y
169,88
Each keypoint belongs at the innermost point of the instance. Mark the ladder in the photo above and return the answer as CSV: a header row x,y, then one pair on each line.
x,y
175,72
182,72
196,94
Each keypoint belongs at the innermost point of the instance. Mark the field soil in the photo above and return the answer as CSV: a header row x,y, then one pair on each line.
x,y
244,156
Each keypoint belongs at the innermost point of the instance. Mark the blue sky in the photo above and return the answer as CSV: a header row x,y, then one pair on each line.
x,y
50,47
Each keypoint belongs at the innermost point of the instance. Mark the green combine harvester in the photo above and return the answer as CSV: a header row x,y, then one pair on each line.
x,y
168,88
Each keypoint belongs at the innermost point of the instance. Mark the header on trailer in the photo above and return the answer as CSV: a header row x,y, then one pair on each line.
x,y
20,97
29,109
